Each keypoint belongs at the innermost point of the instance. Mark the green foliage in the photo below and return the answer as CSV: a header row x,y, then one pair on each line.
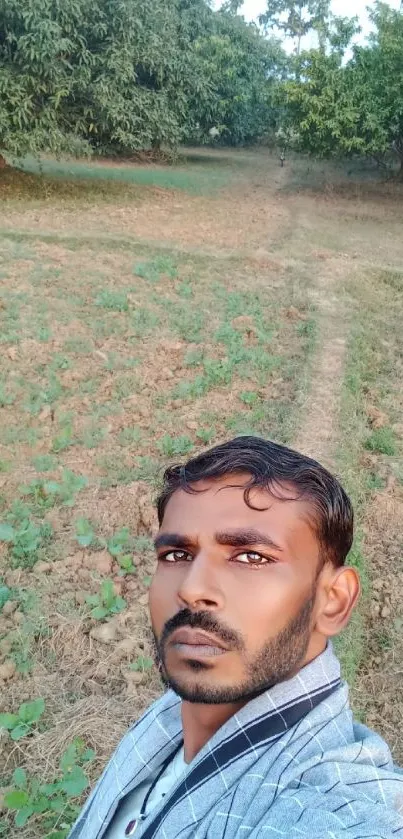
x,y
339,108
163,266
85,533
63,439
5,591
25,539
54,804
120,543
382,440
205,435
249,397
115,300
126,565
142,664
46,494
240,67
138,75
106,603
129,436
44,462
23,722
175,446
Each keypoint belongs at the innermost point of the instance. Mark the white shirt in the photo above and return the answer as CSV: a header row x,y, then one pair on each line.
x,y
130,806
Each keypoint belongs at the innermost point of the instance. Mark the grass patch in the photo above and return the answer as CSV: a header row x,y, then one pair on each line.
x,y
371,379
196,178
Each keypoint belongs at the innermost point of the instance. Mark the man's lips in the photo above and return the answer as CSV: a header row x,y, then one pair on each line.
x,y
196,642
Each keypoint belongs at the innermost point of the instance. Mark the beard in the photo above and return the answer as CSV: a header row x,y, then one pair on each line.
x,y
279,658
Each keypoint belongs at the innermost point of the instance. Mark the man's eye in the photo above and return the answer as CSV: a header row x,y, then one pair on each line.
x,y
252,558
176,556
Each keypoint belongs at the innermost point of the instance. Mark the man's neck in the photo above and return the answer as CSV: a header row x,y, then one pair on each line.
x,y
200,723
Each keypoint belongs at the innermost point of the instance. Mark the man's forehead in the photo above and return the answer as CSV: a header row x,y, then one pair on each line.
x,y
220,504
232,490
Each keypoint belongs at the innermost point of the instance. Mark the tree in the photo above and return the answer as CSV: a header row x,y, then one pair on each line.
x,y
115,76
240,68
353,108
296,18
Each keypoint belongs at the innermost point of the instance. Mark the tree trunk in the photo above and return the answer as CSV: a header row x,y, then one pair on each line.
x,y
3,162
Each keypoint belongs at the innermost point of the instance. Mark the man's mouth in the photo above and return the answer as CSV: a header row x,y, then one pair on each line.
x,y
195,643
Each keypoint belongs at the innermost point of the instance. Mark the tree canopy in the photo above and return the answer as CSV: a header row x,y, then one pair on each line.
x,y
353,107
121,75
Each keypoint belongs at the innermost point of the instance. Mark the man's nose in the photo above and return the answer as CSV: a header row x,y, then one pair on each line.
x,y
199,588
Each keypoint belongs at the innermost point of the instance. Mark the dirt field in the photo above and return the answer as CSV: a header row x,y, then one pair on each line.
x,y
147,313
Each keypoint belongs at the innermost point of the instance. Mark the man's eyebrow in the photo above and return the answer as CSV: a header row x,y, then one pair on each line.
x,y
171,540
244,537
239,538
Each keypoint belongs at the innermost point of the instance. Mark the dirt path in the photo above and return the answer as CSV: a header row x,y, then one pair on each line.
x,y
318,433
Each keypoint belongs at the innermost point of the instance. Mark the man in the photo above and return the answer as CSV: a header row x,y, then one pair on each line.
x,y
255,738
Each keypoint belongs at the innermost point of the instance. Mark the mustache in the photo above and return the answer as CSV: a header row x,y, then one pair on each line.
x,y
201,620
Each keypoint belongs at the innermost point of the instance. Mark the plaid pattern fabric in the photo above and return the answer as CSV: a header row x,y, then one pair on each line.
x,y
291,763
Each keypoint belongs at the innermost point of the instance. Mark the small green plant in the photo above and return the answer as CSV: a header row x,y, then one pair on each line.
x,y
63,439
85,533
142,322
141,664
173,446
155,269
129,436
120,543
185,290
126,565
5,594
382,440
249,397
53,803
205,435
117,301
43,394
23,722
25,539
44,462
43,333
194,358
93,435
45,494
106,603
60,362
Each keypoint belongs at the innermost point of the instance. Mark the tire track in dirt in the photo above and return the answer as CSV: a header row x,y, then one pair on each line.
x,y
319,428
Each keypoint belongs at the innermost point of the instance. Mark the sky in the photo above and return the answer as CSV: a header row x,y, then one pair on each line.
x,y
252,8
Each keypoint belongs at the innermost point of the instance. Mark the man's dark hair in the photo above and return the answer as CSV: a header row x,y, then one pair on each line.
x,y
271,466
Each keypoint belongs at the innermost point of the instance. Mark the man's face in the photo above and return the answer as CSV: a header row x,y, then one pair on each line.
x,y
233,599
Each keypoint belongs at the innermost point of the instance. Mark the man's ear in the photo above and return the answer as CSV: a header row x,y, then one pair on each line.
x,y
340,589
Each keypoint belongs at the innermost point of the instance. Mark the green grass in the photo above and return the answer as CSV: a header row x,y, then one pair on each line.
x,y
371,377
197,178
382,440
